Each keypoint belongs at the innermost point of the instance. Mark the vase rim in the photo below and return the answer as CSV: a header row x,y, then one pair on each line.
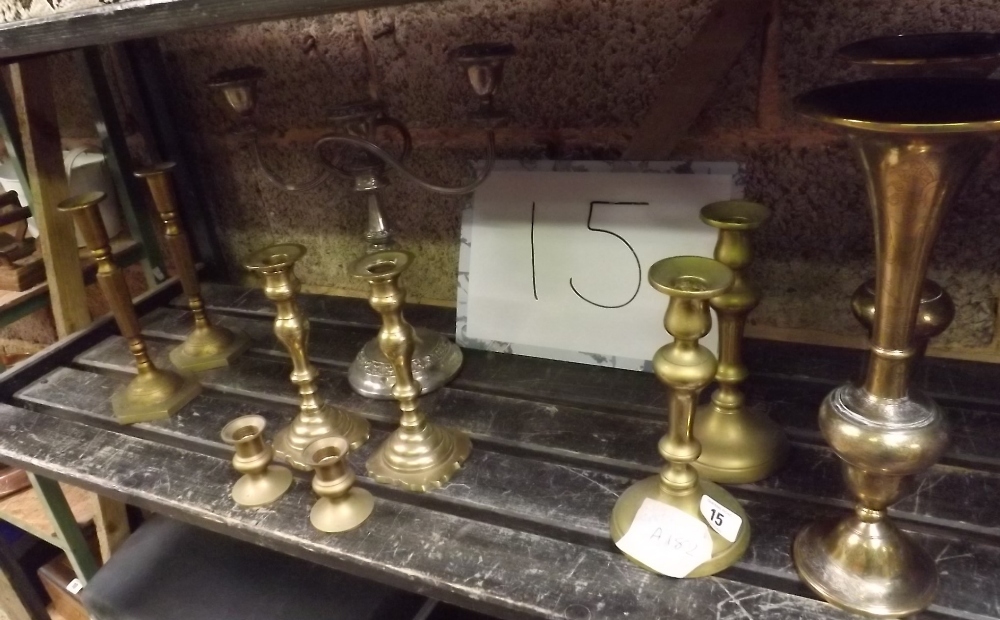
x,y
924,49
911,105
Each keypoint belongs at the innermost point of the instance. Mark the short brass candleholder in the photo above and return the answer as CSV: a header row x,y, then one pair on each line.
x,y
154,393
341,506
917,139
739,444
686,367
207,346
261,482
436,360
418,455
316,419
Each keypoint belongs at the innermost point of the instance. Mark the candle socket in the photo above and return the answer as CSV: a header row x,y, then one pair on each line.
x,y
261,482
917,140
154,393
341,506
686,367
739,444
316,419
207,346
418,455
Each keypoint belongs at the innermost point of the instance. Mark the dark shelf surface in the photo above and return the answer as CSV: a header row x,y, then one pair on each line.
x,y
133,19
521,531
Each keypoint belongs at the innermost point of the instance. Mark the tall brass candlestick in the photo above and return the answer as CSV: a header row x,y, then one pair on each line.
x,y
418,455
316,419
917,139
686,367
207,346
154,393
739,444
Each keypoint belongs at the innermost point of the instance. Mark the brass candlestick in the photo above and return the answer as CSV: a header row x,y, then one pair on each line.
x,y
418,455
261,482
686,367
739,444
316,419
341,506
917,139
154,393
207,346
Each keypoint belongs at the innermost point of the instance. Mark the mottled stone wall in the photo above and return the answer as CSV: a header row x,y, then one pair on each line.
x,y
584,79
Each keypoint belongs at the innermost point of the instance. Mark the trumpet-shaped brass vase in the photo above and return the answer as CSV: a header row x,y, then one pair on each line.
x,y
316,419
935,312
686,367
917,139
207,346
341,506
154,393
418,455
261,482
739,444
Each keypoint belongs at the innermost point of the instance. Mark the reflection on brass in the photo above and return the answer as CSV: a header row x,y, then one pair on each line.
x,y
739,444
917,139
154,393
341,505
316,419
207,346
418,455
261,483
942,54
686,367
935,312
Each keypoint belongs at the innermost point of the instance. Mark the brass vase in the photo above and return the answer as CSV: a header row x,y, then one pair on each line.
x,y
316,419
917,140
739,444
944,54
418,455
154,393
686,367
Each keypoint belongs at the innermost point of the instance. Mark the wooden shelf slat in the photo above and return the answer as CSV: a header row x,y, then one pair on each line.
x,y
25,511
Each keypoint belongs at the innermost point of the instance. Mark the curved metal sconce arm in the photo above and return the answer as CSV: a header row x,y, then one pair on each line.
x,y
273,177
386,157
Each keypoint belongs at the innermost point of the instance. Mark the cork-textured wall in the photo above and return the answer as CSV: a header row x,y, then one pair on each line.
x,y
585,76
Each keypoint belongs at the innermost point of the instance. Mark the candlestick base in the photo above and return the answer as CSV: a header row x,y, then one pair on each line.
x,y
867,567
153,395
724,553
436,361
340,514
419,460
738,446
291,442
262,489
208,348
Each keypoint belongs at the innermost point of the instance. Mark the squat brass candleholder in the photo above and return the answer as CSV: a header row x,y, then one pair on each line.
x,y
341,506
917,139
357,125
316,419
207,346
418,455
686,367
154,393
739,444
261,482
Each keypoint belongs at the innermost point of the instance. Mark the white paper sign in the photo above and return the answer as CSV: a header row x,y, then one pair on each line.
x,y
721,519
667,540
554,264
74,586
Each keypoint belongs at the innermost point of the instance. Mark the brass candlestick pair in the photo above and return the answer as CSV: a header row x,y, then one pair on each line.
x,y
316,419
436,360
917,140
739,444
341,506
686,368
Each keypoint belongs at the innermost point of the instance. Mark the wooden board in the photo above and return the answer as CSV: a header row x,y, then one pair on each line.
x,y
25,511
522,530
